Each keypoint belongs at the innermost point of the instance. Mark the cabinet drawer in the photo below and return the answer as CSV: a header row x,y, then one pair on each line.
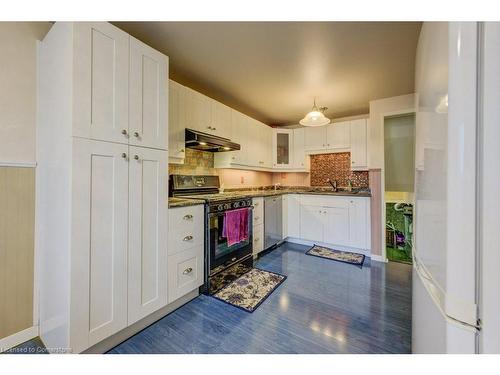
x,y
258,211
185,272
258,238
186,226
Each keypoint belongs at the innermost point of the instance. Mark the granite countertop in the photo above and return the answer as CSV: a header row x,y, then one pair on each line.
x,y
183,202
307,190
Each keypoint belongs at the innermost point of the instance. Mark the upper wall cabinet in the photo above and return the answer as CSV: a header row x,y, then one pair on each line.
x,y
101,80
359,159
198,111
282,148
119,87
338,135
300,159
148,96
335,136
220,120
176,123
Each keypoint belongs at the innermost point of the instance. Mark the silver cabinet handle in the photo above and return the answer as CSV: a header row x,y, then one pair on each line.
x,y
187,238
256,204
136,157
188,217
256,218
187,271
181,150
124,131
124,155
256,239
136,134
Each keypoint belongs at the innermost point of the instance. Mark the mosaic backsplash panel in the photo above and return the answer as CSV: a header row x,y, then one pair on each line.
x,y
337,167
195,162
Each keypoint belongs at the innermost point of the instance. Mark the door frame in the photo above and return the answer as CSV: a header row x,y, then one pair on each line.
x,y
383,116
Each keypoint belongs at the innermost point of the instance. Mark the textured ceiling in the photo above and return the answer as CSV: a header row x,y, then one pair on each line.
x,y
273,70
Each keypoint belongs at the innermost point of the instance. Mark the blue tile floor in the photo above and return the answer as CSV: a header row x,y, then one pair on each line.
x,y
323,307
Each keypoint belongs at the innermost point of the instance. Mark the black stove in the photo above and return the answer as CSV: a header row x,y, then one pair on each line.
x,y
224,261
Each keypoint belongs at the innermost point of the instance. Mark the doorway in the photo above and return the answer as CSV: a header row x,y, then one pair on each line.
x,y
399,172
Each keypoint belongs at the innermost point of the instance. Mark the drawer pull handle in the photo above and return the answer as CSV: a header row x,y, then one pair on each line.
x,y
187,271
256,218
188,217
188,238
256,239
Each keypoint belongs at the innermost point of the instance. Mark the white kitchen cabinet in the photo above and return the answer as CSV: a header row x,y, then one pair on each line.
x,y
185,228
198,111
220,124
336,226
293,215
258,239
315,138
103,211
300,159
98,241
258,225
332,220
147,234
239,133
359,223
312,223
283,148
359,153
338,135
176,123
267,145
148,101
186,250
185,272
98,62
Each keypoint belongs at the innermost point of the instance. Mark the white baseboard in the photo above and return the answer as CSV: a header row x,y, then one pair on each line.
x,y
18,338
379,258
365,252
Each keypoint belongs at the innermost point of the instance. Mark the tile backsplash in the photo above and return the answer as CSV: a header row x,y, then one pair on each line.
x,y
336,166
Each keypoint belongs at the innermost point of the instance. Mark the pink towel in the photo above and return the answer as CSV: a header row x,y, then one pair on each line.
x,y
236,226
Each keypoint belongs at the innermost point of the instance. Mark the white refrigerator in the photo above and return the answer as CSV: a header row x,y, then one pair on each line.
x,y
456,248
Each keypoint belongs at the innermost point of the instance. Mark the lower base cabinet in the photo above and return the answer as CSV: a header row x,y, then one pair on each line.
x,y
186,250
335,220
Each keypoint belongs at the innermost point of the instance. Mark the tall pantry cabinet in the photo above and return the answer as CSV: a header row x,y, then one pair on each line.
x,y
102,211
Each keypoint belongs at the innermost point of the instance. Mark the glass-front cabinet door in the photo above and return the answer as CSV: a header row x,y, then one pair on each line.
x,y
282,148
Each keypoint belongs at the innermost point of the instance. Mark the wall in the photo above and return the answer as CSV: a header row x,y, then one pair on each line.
x,y
18,89
399,153
199,162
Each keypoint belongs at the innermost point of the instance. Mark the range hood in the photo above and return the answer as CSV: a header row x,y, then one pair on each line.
x,y
209,142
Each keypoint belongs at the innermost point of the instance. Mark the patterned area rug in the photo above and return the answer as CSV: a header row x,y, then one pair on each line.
x,y
248,291
338,255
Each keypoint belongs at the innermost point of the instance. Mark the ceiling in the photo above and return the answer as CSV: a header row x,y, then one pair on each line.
x,y
273,70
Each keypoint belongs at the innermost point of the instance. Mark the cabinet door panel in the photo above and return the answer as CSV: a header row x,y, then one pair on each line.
x,y
101,77
221,120
337,226
315,138
299,155
185,272
99,237
148,197
358,144
282,148
311,223
359,223
198,111
148,96
338,135
176,120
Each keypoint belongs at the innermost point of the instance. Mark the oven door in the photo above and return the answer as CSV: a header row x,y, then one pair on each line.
x,y
220,253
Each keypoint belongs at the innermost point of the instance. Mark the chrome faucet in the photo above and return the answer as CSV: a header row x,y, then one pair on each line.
x,y
333,183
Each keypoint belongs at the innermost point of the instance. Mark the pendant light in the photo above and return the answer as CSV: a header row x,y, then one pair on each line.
x,y
316,117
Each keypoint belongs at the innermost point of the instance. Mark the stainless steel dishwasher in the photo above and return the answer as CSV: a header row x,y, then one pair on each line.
x,y
273,221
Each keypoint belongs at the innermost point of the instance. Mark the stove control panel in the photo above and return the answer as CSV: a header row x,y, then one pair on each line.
x,y
230,205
